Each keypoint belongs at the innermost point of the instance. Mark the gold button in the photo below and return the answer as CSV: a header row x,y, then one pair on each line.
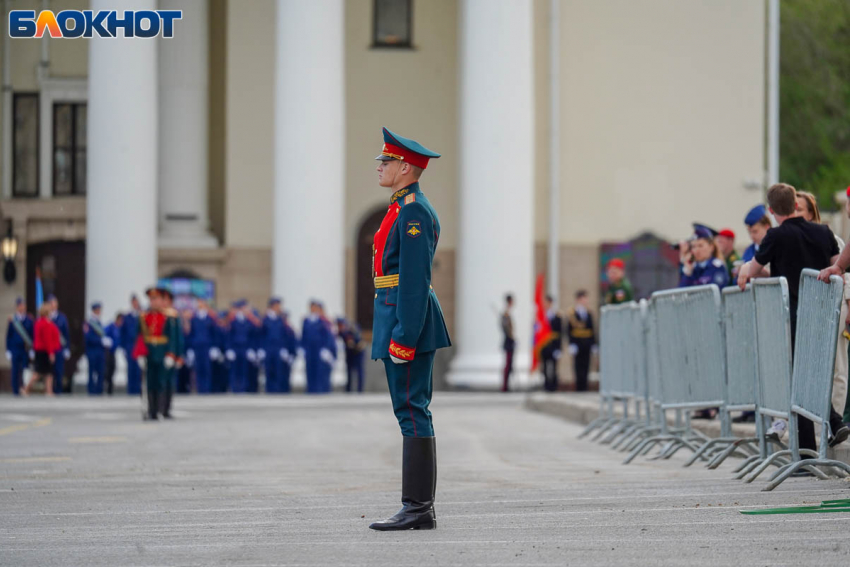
x,y
376,296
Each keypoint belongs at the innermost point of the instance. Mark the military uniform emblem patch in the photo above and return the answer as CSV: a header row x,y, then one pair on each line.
x,y
413,229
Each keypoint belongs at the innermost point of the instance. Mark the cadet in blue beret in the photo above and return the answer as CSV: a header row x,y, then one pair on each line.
x,y
96,342
408,324
758,223
701,263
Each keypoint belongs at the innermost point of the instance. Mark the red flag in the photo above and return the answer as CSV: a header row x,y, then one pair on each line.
x,y
542,331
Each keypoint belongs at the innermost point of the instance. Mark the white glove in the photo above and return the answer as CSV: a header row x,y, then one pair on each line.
x,y
67,353
168,362
573,350
190,357
251,355
215,353
142,362
32,355
594,349
397,360
326,355
106,342
9,355
557,354
261,354
284,354
230,355
301,352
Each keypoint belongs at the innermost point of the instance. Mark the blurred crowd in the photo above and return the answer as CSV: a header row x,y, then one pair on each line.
x,y
239,350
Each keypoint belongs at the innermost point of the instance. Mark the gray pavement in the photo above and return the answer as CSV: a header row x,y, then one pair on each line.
x,y
296,481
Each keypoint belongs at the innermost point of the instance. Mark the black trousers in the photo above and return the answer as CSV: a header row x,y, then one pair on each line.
x,y
581,363
509,368
550,374
110,370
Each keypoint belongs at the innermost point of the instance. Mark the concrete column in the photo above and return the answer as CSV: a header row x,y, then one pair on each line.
x,y
309,155
495,249
184,128
121,251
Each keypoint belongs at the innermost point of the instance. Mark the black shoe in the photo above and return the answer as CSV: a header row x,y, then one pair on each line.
x,y
418,484
703,414
840,436
153,406
746,417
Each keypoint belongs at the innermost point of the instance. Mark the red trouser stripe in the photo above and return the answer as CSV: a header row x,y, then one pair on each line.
x,y
409,407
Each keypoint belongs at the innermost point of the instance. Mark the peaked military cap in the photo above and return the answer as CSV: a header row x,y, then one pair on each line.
x,y
405,149
703,231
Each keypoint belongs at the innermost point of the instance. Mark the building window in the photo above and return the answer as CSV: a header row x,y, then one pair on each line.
x,y
25,144
393,24
69,148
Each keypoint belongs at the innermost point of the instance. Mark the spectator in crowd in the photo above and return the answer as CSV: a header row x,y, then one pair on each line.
x,y
725,241
807,205
508,343
789,248
19,343
700,260
582,338
758,224
551,352
619,287
46,344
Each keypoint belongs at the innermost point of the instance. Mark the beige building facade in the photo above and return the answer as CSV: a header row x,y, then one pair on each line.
x,y
661,123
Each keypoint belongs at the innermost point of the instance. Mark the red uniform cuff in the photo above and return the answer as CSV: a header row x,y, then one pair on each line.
x,y
402,352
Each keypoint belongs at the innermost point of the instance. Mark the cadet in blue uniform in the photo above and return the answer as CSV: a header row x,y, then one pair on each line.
x,y
19,343
113,331
61,321
700,260
758,223
240,337
353,341
129,331
319,346
96,342
253,352
220,368
408,324
277,348
201,346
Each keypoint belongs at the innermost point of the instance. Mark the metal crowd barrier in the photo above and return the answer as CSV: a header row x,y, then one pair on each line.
x,y
695,348
738,312
818,320
692,362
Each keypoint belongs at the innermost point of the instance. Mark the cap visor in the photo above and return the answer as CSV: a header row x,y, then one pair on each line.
x,y
382,157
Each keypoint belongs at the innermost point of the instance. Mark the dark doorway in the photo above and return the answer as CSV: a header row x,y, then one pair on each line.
x,y
365,285
63,273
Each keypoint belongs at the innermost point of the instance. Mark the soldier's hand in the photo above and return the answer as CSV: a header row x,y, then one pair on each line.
x,y
397,360
142,362
9,355
168,362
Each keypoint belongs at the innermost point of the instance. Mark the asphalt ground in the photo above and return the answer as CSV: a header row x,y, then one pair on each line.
x,y
259,481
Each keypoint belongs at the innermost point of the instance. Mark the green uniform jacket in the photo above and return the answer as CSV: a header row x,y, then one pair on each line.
x,y
408,318
619,293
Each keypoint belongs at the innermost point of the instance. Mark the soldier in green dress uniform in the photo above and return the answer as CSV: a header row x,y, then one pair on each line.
x,y
408,324
153,350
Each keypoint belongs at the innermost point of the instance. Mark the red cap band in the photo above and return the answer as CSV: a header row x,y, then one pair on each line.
x,y
398,152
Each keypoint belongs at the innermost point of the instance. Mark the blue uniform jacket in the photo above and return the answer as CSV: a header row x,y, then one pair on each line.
x,y
129,331
114,333
709,272
202,333
94,340
276,334
14,342
408,318
61,321
241,335
316,334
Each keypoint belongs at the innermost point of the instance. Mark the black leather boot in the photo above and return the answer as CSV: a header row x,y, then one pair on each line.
x,y
418,485
166,404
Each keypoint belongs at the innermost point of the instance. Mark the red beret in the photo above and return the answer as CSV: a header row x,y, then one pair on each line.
x,y
616,263
848,191
727,232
